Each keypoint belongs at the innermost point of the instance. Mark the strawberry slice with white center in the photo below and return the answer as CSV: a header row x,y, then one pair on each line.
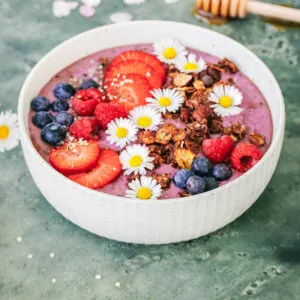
x,y
129,90
134,67
107,170
74,157
147,58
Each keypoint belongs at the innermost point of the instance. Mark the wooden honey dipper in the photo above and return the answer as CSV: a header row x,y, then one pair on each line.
x,y
240,8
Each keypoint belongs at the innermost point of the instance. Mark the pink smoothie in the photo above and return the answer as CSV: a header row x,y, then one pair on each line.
x,y
255,115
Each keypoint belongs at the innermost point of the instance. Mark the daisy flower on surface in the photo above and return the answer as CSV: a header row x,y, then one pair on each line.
x,y
135,159
121,132
190,64
146,117
165,100
145,188
9,131
226,99
168,50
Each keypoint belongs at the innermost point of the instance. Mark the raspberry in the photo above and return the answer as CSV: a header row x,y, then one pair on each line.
x,y
85,101
86,128
218,150
244,156
105,113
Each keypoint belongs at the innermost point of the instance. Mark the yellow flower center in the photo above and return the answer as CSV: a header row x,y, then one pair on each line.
x,y
191,66
170,53
144,121
165,101
135,161
225,101
121,132
144,193
4,132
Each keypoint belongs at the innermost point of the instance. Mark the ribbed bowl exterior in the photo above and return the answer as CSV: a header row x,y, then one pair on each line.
x,y
151,222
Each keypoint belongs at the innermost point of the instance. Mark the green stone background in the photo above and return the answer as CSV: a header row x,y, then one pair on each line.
x,y
256,257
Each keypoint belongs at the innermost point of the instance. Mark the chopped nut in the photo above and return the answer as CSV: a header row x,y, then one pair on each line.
x,y
227,130
182,79
202,111
163,179
179,136
146,137
215,125
184,115
256,139
239,130
199,85
193,146
228,65
184,157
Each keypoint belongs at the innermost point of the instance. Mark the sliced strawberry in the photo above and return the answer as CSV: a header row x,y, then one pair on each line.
x,y
130,92
147,58
74,157
106,171
134,67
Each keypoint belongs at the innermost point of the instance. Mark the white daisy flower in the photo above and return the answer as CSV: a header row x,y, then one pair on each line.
x,y
9,131
145,188
135,159
166,100
226,99
190,64
168,50
121,132
146,117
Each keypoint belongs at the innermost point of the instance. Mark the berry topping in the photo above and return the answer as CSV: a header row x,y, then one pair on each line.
x,y
244,156
107,170
40,103
86,128
53,134
42,118
130,91
180,178
221,172
195,185
60,105
106,112
85,101
201,166
218,150
210,183
147,58
88,83
134,67
75,157
63,91
64,118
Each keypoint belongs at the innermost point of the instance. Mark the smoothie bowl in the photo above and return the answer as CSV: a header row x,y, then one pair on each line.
x,y
151,132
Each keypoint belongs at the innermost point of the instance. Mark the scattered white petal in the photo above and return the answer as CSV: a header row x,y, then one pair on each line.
x,y
87,11
130,2
118,284
98,276
19,239
52,254
171,1
30,256
53,280
120,17
91,3
61,8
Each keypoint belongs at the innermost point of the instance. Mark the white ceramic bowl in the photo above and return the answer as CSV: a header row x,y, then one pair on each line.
x,y
151,222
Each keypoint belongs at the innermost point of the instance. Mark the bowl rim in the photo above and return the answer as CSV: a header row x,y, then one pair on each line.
x,y
199,197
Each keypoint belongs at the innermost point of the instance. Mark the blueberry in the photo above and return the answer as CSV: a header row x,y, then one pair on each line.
x,y
201,166
195,185
42,118
221,172
88,83
64,118
210,183
60,105
40,103
63,91
181,177
53,133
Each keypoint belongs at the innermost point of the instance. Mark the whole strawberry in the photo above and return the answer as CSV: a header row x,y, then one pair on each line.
x,y
106,112
218,150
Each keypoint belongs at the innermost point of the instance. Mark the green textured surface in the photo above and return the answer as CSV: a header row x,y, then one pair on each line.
x,y
256,257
